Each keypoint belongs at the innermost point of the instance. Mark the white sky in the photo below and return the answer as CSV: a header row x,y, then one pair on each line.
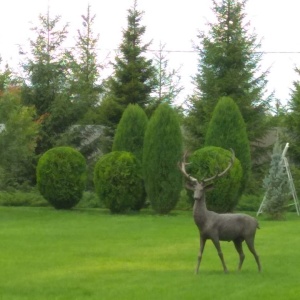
x,y
174,23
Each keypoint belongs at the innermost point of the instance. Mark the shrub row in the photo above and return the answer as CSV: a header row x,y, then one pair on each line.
x,y
145,158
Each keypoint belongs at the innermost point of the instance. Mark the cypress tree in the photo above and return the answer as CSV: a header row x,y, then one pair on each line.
x,y
227,130
130,137
131,130
162,152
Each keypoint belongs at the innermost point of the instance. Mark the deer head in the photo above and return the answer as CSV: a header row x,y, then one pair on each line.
x,y
206,183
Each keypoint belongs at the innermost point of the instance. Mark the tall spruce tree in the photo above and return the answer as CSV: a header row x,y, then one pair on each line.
x,y
229,65
133,77
84,88
46,80
292,121
85,70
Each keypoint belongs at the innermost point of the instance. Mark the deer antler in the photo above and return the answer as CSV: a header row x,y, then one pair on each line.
x,y
217,175
183,170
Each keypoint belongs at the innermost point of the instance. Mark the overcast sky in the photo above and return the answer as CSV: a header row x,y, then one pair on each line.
x,y
173,23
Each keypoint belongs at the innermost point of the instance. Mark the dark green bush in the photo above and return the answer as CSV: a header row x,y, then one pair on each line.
x,y
61,176
208,161
118,182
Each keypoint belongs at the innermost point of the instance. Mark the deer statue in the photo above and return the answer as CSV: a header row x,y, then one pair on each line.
x,y
220,227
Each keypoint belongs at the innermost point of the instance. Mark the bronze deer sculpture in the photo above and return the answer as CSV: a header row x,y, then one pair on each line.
x,y
220,227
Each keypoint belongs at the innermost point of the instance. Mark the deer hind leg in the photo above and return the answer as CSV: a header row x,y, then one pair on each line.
x,y
239,248
202,245
218,247
250,244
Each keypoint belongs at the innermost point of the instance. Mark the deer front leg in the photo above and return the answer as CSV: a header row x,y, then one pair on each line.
x,y
202,245
218,247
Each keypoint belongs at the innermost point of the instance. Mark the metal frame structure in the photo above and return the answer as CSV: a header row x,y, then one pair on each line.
x,y
291,183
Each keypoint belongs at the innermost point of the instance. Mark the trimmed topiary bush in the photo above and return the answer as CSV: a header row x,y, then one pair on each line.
x,y
162,152
205,163
61,176
227,129
130,132
118,182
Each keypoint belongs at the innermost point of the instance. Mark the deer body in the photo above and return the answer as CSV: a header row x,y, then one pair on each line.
x,y
221,227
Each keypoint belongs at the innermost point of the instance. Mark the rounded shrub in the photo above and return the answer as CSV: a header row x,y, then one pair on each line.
x,y
205,163
61,176
118,182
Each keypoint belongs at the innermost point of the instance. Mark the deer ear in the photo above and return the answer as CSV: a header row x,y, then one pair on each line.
x,y
190,186
209,187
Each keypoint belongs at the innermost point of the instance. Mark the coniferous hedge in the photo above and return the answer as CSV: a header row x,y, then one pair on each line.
x,y
130,132
227,129
162,152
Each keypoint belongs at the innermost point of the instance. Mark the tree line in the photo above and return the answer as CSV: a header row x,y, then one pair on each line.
x,y
60,92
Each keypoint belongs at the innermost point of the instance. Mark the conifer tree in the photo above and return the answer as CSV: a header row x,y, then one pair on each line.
x,y
227,129
84,89
46,79
85,69
292,121
133,77
276,185
162,152
229,65
129,137
131,131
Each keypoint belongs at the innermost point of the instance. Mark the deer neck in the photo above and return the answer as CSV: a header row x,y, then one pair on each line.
x,y
200,211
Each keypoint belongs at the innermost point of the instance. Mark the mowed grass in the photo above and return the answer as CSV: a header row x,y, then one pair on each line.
x,y
90,254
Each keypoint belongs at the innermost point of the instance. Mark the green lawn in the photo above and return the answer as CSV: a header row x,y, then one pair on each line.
x,y
90,254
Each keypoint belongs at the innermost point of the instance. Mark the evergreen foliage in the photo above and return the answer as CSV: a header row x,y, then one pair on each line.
x,y
292,122
84,88
276,185
162,152
227,129
61,176
229,64
205,163
118,182
167,82
131,131
133,77
46,79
